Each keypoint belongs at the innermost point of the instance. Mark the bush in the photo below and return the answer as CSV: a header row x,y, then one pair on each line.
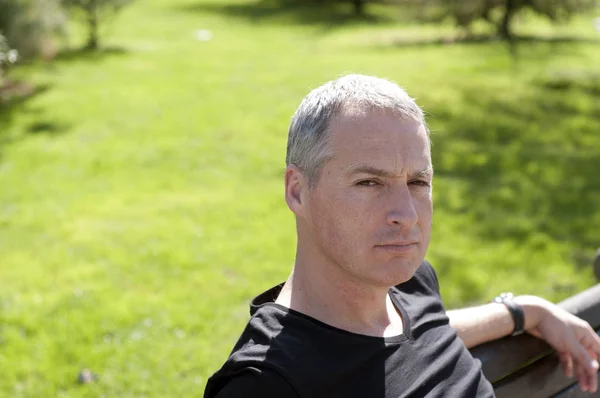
x,y
31,25
7,56
501,13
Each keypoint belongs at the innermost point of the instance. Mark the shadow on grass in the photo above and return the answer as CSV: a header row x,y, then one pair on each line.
x,y
46,127
588,83
539,48
298,12
526,168
486,39
15,97
85,54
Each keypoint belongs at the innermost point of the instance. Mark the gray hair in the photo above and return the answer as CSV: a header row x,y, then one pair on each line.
x,y
307,146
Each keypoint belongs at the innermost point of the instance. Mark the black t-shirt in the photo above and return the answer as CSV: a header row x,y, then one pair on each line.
x,y
284,353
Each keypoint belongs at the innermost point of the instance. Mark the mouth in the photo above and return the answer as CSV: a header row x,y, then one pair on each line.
x,y
398,248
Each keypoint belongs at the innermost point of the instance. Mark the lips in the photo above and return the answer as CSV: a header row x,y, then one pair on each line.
x,y
398,247
400,243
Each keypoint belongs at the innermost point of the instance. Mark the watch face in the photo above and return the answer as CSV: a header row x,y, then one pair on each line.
x,y
503,296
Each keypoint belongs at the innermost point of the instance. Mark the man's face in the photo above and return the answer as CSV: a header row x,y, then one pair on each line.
x,y
370,212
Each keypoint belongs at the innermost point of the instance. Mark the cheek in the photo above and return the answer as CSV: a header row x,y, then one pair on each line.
x,y
339,217
428,209
424,208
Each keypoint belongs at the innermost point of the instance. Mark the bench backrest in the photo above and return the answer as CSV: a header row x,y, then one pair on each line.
x,y
523,366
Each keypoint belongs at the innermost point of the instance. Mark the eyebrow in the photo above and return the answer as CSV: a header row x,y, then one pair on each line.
x,y
367,169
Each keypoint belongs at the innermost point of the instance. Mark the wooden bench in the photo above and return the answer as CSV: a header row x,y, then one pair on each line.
x,y
523,366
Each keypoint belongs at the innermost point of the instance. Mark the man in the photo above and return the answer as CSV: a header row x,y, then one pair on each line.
x,y
360,314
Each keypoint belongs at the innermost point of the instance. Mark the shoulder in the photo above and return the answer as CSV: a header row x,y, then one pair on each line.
x,y
267,355
253,382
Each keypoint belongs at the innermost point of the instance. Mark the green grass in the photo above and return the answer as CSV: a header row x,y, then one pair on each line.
x,y
141,201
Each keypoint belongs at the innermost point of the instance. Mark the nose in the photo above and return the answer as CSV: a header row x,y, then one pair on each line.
x,y
401,211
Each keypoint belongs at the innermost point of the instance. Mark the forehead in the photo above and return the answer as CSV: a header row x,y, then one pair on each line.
x,y
379,136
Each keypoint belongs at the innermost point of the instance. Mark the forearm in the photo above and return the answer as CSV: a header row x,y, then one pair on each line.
x,y
488,322
576,343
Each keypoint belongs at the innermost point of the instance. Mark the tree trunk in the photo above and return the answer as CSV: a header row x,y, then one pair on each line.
x,y
359,7
504,29
92,19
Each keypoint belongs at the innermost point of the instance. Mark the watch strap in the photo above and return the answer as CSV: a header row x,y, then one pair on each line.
x,y
516,311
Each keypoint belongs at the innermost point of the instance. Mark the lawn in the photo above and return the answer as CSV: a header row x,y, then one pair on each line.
x,y
141,199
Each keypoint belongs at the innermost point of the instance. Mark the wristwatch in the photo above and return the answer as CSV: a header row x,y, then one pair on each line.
x,y
515,309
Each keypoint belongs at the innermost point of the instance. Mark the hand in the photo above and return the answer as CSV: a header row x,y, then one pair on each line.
x,y
576,343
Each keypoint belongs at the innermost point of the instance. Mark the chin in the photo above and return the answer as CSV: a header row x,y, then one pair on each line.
x,y
397,272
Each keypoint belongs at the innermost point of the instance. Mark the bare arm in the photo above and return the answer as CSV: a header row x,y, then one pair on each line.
x,y
478,325
576,343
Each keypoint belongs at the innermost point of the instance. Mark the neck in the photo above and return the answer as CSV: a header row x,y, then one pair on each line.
x,y
326,292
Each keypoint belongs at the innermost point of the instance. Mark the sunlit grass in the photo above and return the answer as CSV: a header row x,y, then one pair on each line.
x,y
141,201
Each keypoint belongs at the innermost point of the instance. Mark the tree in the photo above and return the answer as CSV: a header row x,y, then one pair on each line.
x,y
359,7
501,13
94,12
555,10
31,25
7,56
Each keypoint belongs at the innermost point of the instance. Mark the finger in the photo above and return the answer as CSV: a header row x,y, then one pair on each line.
x,y
595,341
581,356
593,385
582,377
592,370
591,341
588,381
567,363
594,354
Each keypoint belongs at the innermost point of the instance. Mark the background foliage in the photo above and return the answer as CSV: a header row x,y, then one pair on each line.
x,y
502,13
141,201
31,25
93,13
8,56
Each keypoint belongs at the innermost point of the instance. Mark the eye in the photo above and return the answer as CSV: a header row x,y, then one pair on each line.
x,y
367,183
420,183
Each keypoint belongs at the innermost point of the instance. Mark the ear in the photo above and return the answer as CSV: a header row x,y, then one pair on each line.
x,y
295,187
